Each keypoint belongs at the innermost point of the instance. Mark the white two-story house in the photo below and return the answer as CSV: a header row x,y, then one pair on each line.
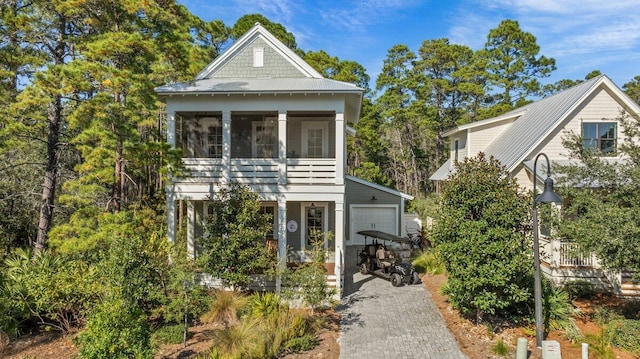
x,y
591,109
259,115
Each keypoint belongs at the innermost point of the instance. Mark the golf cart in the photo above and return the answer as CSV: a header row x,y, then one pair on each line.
x,y
377,259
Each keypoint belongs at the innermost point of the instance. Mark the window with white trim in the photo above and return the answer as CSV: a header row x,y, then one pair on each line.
x,y
315,139
202,137
315,222
258,57
265,138
600,137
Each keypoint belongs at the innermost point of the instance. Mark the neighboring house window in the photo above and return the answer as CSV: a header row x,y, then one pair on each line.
x,y
258,57
600,136
455,150
265,138
315,141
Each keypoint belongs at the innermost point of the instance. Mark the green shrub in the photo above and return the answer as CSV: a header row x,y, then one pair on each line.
x,y
168,334
224,307
624,333
429,262
480,233
242,340
115,330
630,309
581,289
264,305
301,344
559,312
500,348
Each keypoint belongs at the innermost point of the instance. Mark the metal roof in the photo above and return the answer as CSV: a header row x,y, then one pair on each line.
x,y
535,124
252,85
443,172
379,187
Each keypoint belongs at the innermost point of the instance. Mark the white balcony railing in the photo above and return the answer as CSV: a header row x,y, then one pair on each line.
x,y
570,255
311,171
262,171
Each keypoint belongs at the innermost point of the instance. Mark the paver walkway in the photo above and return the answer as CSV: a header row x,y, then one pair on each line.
x,y
382,321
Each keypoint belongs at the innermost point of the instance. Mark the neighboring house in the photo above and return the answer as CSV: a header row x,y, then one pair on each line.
x,y
517,137
259,115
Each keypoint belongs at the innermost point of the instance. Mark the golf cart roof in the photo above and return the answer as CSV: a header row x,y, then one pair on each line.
x,y
385,236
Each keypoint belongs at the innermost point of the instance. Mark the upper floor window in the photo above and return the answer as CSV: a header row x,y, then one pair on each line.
x,y
265,138
258,57
200,136
600,136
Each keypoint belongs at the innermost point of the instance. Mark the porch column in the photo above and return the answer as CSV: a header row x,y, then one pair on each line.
x,y
282,237
171,127
226,146
171,216
341,151
282,148
339,250
191,229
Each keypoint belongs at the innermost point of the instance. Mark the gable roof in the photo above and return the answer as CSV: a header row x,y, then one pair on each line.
x,y
543,117
536,121
287,74
258,32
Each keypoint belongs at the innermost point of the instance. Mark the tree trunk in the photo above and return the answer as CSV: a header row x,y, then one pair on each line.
x,y
54,118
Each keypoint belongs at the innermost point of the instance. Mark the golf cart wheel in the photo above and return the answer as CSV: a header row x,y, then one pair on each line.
x,y
415,279
396,280
364,268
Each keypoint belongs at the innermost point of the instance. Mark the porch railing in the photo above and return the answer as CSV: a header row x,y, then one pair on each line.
x,y
262,171
570,255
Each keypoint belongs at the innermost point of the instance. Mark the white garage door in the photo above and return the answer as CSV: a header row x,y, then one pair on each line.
x,y
379,218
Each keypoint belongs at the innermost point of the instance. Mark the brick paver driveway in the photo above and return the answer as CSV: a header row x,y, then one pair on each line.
x,y
381,321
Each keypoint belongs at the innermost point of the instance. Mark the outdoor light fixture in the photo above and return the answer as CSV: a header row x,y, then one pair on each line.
x,y
373,198
547,196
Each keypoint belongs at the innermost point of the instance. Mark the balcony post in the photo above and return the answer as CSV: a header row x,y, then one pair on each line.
x,y
339,243
226,146
282,237
191,229
171,216
341,151
171,127
282,148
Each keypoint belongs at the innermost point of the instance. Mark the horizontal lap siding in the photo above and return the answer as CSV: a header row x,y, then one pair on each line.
x,y
481,138
600,105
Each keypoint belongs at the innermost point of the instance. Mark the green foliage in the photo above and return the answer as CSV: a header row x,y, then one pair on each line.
x,y
235,246
601,344
242,340
500,348
48,287
115,329
264,305
480,233
168,334
309,281
602,199
559,312
429,262
513,62
184,298
621,326
301,344
581,289
224,307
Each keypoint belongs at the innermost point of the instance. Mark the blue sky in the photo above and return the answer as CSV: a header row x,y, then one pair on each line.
x,y
582,35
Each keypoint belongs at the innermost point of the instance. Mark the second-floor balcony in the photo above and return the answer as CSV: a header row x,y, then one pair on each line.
x,y
261,148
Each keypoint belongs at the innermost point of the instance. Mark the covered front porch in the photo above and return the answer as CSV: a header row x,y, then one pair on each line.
x,y
563,262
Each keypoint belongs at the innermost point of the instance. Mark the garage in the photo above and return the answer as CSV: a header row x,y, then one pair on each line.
x,y
382,218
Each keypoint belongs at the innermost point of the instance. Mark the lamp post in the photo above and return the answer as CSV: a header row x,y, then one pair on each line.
x,y
547,196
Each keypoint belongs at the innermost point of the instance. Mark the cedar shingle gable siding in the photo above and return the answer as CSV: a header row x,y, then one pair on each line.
x,y
241,65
